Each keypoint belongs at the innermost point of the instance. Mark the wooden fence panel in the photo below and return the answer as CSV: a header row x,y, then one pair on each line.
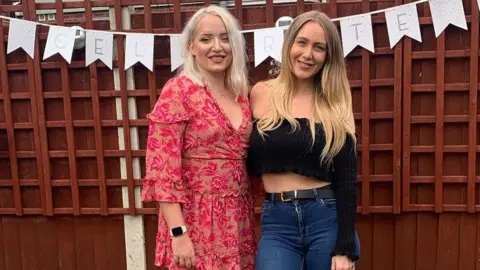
x,y
22,189
407,241
72,138
78,116
440,117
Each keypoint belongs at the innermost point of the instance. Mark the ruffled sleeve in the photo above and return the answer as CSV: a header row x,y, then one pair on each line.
x,y
167,122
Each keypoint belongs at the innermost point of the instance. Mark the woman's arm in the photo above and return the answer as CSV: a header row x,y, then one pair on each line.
x,y
164,180
345,185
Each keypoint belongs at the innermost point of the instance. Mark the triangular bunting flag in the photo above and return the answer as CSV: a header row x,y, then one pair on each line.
x,y
99,45
139,49
268,42
176,51
21,34
60,40
445,12
357,31
403,21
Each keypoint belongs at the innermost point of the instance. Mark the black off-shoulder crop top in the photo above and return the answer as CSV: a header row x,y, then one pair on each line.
x,y
282,150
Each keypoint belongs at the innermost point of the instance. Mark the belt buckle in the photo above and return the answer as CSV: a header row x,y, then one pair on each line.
x,y
287,200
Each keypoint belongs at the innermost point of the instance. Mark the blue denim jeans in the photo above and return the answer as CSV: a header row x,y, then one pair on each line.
x,y
298,235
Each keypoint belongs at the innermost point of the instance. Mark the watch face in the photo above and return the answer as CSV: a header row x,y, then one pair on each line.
x,y
177,231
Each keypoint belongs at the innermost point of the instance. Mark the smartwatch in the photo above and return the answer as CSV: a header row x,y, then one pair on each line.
x,y
178,231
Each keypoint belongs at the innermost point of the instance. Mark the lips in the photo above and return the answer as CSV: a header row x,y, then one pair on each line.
x,y
305,65
217,58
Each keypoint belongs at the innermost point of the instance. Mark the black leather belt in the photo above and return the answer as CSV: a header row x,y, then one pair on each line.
x,y
321,193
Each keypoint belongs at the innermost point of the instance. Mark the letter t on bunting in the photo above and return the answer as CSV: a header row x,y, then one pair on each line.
x,y
60,40
401,21
99,46
268,42
139,49
357,30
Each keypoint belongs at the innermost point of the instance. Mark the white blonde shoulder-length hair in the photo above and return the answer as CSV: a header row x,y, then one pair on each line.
x,y
236,74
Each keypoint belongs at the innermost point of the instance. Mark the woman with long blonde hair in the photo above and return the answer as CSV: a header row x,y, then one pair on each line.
x,y
303,148
197,143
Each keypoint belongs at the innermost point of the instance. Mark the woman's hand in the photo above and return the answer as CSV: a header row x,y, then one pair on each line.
x,y
342,263
183,252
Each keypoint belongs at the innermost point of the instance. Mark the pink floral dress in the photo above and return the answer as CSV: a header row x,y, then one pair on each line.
x,y
197,158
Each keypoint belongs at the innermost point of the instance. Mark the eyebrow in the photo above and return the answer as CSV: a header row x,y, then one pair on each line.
x,y
209,34
306,39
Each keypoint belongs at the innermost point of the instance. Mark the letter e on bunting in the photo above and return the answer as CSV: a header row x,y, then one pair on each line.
x,y
403,21
99,45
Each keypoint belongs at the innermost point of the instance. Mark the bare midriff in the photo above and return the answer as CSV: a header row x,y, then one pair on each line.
x,y
280,182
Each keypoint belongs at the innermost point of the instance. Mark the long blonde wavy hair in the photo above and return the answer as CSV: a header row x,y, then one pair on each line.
x,y
332,100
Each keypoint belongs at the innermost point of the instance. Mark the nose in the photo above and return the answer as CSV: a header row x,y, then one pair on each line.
x,y
307,54
216,45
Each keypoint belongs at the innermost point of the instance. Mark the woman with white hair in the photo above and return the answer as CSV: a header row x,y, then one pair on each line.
x,y
198,137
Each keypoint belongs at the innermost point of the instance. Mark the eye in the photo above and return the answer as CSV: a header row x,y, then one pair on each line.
x,y
225,39
301,43
204,39
320,48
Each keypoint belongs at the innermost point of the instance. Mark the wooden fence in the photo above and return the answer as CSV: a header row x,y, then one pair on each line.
x,y
72,139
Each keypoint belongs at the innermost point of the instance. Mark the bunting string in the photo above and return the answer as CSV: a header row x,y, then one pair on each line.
x,y
356,31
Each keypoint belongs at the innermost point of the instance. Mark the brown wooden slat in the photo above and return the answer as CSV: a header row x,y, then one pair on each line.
x,y
270,13
91,123
85,153
439,106
472,124
97,118
467,229
11,8
332,8
11,241
365,123
450,87
397,125
91,182
102,3
407,101
9,123
72,164
48,249
151,77
477,265
177,19
239,11
28,242
300,7
38,116
124,102
448,54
